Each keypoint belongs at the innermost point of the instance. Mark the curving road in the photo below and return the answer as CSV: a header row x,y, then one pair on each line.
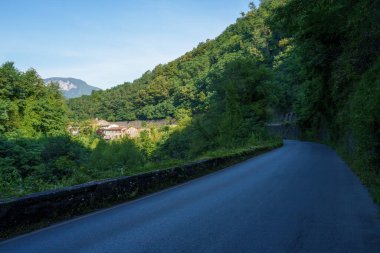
x,y
298,198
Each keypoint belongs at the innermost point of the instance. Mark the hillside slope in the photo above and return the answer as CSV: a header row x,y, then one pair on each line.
x,y
319,59
185,85
219,94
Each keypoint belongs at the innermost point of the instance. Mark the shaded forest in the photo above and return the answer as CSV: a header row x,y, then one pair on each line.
x,y
335,48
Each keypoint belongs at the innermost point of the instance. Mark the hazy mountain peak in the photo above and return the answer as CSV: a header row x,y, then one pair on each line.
x,y
66,85
72,87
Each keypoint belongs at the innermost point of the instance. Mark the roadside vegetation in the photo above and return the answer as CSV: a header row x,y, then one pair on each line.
x,y
37,157
334,46
319,59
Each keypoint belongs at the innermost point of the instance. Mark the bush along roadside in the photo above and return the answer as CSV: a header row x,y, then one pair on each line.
x,y
22,215
367,174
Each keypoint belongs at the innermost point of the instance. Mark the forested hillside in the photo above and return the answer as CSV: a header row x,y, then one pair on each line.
x,y
185,85
334,62
220,93
320,59
317,58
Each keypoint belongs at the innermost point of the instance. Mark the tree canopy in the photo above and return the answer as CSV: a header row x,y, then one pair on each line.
x,y
28,108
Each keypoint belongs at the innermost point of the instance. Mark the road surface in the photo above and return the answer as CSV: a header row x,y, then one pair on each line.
x,y
298,198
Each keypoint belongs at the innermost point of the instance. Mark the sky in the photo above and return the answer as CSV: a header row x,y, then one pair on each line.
x,y
107,42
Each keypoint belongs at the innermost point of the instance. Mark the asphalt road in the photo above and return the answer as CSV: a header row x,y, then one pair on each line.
x,y
298,198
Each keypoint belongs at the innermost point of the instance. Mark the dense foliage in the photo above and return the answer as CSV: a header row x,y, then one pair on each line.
x,y
320,59
335,47
219,93
28,108
34,152
183,84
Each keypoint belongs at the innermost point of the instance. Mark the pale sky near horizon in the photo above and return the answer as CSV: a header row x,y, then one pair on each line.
x,y
107,42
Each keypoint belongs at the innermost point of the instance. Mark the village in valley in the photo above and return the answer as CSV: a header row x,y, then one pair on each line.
x,y
118,130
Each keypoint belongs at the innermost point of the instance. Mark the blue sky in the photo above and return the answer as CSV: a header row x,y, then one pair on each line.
x,y
107,42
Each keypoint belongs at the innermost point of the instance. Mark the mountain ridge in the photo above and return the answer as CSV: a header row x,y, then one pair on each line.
x,y
72,87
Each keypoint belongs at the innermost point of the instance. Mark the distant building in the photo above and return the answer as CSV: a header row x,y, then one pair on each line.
x,y
102,123
139,124
133,132
73,130
117,130
112,133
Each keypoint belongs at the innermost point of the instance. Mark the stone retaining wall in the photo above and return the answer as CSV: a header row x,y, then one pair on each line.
x,y
41,209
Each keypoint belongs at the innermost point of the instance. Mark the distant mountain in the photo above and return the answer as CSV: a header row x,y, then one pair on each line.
x,y
71,87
